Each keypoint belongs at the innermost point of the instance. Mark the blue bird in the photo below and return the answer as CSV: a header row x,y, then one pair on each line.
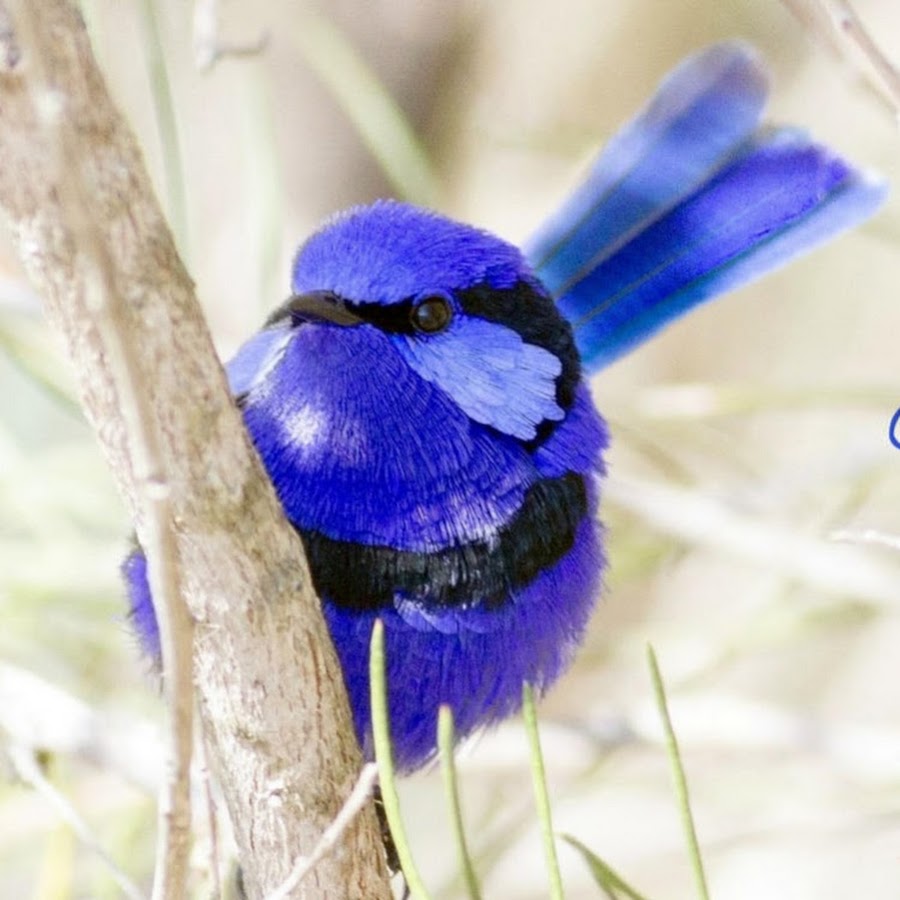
x,y
420,401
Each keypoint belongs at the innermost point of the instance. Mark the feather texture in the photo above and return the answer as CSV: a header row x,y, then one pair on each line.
x,y
692,199
420,406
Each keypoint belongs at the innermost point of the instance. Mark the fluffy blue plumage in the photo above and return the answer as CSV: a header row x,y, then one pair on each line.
x,y
419,403
413,251
401,466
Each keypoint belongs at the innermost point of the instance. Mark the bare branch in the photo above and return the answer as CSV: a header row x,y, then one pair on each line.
x,y
849,24
867,536
837,25
816,20
270,691
28,770
152,490
209,48
209,806
41,716
357,800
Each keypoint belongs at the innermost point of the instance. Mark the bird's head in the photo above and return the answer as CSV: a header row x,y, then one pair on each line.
x,y
460,306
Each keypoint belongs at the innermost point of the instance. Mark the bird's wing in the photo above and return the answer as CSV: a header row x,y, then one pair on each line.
x,y
688,200
255,358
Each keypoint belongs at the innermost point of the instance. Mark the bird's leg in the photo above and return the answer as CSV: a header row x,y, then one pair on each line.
x,y
390,849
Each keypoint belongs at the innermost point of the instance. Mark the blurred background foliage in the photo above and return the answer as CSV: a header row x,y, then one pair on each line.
x,y
745,438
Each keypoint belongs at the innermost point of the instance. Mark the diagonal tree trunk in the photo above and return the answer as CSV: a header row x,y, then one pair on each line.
x,y
92,238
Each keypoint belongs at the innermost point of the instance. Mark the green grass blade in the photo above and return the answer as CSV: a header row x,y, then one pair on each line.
x,y
264,188
384,758
541,796
374,113
166,124
609,881
678,776
451,790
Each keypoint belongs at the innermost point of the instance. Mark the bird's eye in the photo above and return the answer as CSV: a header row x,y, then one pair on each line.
x,y
431,315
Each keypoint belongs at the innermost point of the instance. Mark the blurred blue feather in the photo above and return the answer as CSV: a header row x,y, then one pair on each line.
x,y
691,199
702,112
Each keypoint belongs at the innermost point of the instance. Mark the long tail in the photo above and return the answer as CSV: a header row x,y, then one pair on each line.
x,y
690,199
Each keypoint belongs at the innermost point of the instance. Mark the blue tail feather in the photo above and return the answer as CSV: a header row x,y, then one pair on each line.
x,y
650,235
701,114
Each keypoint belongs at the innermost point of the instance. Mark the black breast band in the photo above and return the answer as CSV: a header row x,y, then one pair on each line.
x,y
361,577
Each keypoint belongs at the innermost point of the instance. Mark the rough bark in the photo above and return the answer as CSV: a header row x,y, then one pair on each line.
x,y
267,680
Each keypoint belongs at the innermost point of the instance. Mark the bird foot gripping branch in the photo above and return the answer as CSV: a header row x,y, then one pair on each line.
x,y
420,400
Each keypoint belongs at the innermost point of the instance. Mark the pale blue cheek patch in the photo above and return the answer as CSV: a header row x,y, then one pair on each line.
x,y
255,359
491,373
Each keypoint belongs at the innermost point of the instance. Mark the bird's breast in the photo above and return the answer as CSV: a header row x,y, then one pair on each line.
x,y
362,449
399,496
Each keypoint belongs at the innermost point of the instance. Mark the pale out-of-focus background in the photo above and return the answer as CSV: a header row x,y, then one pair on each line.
x,y
745,438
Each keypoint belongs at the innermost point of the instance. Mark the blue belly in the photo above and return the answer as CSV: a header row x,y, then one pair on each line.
x,y
473,660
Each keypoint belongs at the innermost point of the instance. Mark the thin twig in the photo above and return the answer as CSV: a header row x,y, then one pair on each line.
x,y
114,326
208,46
209,804
848,23
834,23
36,713
817,21
264,665
696,519
354,804
867,536
28,770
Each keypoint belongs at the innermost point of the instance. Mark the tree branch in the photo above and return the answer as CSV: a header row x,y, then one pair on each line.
x,y
175,626
29,771
268,683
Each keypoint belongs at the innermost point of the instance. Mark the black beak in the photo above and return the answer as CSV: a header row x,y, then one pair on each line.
x,y
315,306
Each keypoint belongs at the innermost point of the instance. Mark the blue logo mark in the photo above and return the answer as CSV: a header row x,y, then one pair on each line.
x,y
894,430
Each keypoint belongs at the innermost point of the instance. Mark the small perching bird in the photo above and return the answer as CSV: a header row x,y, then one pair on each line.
x,y
420,401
